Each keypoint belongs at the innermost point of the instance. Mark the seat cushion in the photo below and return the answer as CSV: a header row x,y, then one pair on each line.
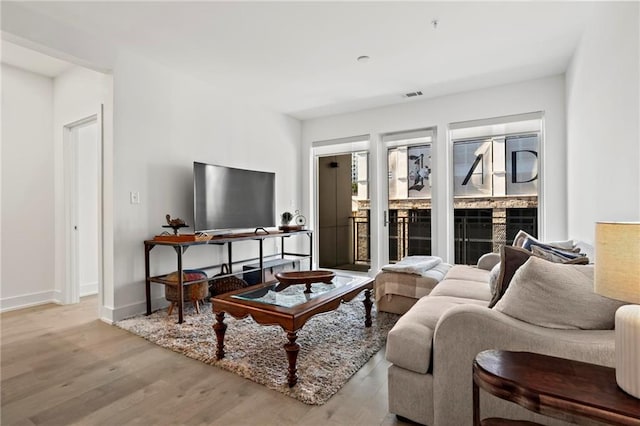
x,y
409,341
464,289
468,273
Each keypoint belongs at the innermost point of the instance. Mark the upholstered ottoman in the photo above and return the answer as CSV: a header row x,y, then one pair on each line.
x,y
396,292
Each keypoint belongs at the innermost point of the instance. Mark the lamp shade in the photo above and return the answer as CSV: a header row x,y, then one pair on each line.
x,y
617,265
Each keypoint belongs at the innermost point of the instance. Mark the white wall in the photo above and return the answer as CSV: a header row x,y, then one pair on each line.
x,y
545,95
163,122
27,189
35,110
603,116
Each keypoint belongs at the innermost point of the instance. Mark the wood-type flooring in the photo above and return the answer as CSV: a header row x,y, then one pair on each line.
x,y
60,365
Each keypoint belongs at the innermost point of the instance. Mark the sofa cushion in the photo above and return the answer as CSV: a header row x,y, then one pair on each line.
x,y
513,258
556,295
467,273
493,278
409,341
523,238
464,289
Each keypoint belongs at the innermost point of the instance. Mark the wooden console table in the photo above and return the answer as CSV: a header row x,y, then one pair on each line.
x,y
572,391
181,247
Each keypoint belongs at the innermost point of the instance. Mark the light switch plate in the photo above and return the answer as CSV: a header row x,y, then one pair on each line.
x,y
134,197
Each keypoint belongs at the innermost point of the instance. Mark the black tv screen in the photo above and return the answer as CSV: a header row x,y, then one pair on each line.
x,y
228,198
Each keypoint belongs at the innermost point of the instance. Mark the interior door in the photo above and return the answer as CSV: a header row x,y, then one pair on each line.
x,y
83,189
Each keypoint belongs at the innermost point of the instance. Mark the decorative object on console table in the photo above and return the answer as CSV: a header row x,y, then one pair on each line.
x,y
192,291
174,224
253,275
300,220
224,282
182,238
617,275
285,218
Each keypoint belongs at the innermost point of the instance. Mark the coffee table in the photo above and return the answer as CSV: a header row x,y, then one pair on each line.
x,y
289,307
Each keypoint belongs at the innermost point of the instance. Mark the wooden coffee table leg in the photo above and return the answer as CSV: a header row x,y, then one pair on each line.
x,y
292,349
367,306
220,327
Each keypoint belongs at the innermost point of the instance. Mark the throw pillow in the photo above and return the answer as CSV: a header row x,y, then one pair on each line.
x,y
530,243
559,296
521,238
493,278
587,249
558,256
512,258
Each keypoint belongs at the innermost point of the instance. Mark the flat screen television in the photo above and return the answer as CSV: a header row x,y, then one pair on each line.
x,y
227,198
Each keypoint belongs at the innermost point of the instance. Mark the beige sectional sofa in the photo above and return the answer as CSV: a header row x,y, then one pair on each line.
x,y
433,345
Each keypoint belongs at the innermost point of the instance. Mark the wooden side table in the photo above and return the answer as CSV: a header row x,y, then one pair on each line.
x,y
569,390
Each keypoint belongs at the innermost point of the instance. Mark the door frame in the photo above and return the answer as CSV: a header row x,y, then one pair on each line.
x,y
71,285
329,148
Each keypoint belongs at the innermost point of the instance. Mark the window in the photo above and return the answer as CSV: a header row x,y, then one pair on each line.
x,y
495,183
410,178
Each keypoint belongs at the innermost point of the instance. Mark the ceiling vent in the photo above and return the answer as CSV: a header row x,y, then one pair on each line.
x,y
412,94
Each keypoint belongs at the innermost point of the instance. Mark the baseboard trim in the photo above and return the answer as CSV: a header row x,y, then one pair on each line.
x,y
138,308
88,289
23,301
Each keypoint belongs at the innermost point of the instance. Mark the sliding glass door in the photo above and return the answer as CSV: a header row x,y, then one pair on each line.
x,y
343,209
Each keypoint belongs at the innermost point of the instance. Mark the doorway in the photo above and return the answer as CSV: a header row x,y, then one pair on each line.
x,y
343,207
83,189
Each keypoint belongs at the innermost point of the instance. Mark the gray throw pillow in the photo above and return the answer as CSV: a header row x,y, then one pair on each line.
x,y
558,256
557,295
493,278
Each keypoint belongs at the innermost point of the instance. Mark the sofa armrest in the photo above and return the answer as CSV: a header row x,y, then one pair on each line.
x,y
464,331
488,261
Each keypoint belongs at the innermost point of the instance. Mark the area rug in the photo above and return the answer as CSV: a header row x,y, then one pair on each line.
x,y
333,346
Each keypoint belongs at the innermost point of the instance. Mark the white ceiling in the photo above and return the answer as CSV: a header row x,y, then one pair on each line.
x,y
300,57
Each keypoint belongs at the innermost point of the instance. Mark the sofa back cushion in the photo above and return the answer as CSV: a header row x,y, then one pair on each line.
x,y
557,295
512,258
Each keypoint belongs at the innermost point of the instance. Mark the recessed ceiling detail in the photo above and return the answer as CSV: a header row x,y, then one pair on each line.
x,y
363,59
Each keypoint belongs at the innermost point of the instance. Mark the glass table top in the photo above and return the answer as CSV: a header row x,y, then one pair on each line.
x,y
294,294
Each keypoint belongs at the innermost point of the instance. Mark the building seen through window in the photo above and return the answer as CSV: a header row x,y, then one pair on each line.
x,y
495,189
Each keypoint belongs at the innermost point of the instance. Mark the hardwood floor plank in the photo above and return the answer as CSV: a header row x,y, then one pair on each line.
x,y
62,366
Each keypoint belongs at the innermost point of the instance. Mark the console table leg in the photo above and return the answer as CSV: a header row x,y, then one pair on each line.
x,y
220,327
476,404
367,306
292,349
